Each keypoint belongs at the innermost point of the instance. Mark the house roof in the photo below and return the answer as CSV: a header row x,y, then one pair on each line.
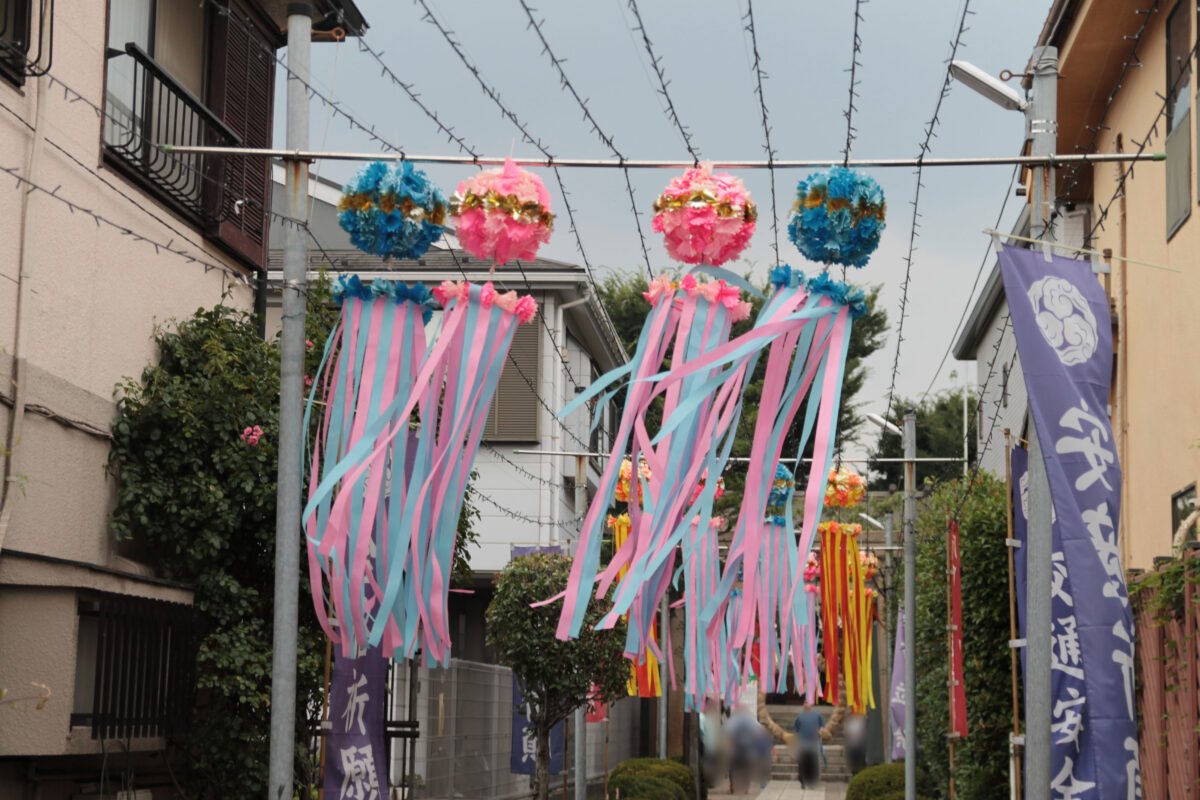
x,y
985,308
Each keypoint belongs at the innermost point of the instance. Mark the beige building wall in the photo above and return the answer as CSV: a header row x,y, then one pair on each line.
x,y
1156,397
90,298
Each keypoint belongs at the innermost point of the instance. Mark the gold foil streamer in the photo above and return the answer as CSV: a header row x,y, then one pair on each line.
x,y
528,212
819,194
724,208
362,201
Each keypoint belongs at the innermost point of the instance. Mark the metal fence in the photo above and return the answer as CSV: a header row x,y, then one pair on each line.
x,y
464,714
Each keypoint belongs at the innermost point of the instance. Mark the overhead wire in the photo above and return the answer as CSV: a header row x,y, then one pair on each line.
x,y
759,75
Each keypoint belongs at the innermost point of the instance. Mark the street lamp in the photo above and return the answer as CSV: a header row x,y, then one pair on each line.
x,y
1041,119
875,419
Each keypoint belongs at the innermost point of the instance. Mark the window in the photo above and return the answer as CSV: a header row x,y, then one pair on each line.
x,y
515,409
134,667
14,39
1179,123
1183,503
180,73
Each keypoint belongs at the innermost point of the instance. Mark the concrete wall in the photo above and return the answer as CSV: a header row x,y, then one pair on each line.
x,y
1157,418
93,295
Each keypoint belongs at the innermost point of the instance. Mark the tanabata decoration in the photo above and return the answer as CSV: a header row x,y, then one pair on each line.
x,y
626,477
502,214
782,487
844,489
705,217
401,424
838,217
688,321
643,672
870,564
847,609
392,211
804,327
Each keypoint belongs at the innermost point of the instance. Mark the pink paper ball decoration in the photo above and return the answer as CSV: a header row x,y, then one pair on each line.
x,y
502,214
705,217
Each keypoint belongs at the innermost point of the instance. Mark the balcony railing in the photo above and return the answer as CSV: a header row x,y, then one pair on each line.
x,y
145,107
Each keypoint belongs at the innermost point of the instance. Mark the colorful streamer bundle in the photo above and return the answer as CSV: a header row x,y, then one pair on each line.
x,y
644,680
401,425
847,606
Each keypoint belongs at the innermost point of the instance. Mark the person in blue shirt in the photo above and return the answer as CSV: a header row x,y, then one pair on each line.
x,y
807,728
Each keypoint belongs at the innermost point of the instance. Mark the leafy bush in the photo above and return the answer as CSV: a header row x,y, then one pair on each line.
x,y
980,760
663,769
641,785
884,781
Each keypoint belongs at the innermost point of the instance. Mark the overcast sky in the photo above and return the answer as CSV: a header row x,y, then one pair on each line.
x,y
805,49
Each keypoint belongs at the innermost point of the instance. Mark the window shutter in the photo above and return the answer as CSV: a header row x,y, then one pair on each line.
x,y
514,414
241,77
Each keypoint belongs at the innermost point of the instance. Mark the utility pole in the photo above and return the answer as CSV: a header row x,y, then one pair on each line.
x,y
1041,115
910,604
581,779
291,396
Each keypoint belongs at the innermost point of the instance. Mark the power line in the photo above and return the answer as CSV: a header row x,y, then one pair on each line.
x,y
855,52
656,64
759,75
912,236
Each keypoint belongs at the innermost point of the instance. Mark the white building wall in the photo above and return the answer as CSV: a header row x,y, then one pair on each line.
x,y
997,350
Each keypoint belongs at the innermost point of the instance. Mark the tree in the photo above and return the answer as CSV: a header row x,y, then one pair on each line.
x,y
981,760
939,435
556,676
195,454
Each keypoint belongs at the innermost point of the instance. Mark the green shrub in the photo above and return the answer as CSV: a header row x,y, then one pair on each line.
x,y
898,794
884,781
635,785
670,770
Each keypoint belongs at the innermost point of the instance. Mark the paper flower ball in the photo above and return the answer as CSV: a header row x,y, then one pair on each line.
x,y
502,214
718,492
705,218
392,211
781,487
870,564
838,217
844,488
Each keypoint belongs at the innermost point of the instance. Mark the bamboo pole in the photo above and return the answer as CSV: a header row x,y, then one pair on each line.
x,y
1012,612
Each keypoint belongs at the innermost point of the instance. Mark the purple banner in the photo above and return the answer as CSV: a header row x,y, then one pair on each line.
x,y
1064,338
355,755
518,550
523,760
897,696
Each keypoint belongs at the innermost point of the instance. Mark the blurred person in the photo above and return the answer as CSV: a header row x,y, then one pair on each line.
x,y
810,750
855,731
743,738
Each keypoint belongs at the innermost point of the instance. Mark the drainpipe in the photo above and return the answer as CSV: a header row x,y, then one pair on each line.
x,y
20,376
560,354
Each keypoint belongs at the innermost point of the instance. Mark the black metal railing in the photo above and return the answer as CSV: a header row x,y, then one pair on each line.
x,y
146,107
145,667
17,37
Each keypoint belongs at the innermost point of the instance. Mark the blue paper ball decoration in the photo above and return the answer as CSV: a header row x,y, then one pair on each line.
x,y
392,211
838,217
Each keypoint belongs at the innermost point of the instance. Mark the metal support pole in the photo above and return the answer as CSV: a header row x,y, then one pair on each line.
x,y
888,583
664,619
291,393
910,605
1042,115
581,778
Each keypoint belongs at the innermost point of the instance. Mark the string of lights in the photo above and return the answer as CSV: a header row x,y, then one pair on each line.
x,y
1127,172
508,114
408,89
656,65
1132,60
856,51
566,524
987,250
759,75
605,138
912,236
